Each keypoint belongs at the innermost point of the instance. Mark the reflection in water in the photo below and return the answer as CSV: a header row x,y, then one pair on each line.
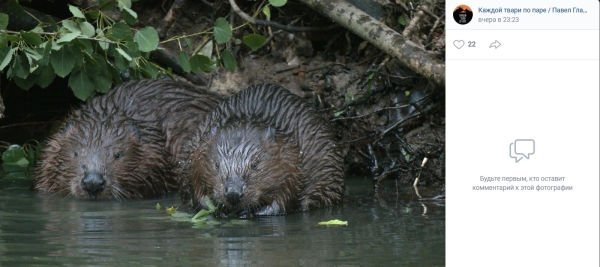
x,y
38,230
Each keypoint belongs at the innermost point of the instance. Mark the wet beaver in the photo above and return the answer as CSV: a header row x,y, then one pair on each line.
x,y
263,151
122,144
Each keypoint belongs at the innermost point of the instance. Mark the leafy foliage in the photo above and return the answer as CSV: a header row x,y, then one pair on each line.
x,y
91,49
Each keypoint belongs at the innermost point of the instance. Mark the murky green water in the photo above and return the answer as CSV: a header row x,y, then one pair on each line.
x,y
38,230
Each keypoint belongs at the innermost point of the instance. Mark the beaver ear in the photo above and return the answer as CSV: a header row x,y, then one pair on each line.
x,y
270,134
135,131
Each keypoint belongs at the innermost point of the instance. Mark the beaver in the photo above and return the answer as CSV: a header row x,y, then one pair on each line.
x,y
122,145
263,151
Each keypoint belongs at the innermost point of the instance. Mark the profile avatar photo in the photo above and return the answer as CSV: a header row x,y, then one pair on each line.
x,y
462,14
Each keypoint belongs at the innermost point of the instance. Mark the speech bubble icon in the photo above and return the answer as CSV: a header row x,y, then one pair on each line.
x,y
522,148
525,147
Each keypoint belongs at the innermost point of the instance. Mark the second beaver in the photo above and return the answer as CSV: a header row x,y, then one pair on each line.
x,y
122,145
263,151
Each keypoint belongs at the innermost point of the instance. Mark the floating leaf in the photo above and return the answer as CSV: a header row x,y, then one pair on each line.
x,y
171,210
184,61
229,60
3,21
76,12
222,30
158,206
80,84
209,204
254,41
277,3
334,222
147,39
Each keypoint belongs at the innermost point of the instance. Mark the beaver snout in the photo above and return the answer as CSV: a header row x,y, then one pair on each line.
x,y
234,188
93,182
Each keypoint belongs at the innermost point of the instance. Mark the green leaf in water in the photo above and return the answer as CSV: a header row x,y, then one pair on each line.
x,y
158,206
334,222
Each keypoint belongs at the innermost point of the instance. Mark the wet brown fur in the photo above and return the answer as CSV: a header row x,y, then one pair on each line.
x,y
129,136
304,165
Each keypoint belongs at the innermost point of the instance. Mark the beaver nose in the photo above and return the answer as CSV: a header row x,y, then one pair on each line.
x,y
93,183
233,190
233,197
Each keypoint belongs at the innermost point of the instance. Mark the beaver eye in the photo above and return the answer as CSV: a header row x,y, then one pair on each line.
x,y
255,166
75,154
118,155
217,166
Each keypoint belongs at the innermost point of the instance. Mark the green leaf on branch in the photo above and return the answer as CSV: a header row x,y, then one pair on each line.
x,y
402,20
147,39
6,55
128,17
120,31
124,54
107,4
87,29
25,84
68,37
277,3
45,76
80,84
76,12
202,63
254,41
31,38
20,66
184,61
15,155
3,21
62,61
229,60
149,70
267,11
15,9
71,26
222,30
45,53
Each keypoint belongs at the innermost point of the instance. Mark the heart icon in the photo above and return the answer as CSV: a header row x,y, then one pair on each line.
x,y
459,43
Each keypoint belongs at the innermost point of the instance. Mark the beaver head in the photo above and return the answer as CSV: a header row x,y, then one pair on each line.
x,y
246,169
97,156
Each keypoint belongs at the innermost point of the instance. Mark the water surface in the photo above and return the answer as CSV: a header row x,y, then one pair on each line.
x,y
49,231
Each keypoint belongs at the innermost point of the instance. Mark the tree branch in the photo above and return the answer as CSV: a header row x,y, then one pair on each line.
x,y
383,37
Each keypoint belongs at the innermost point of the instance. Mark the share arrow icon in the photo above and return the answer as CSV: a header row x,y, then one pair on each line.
x,y
495,44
